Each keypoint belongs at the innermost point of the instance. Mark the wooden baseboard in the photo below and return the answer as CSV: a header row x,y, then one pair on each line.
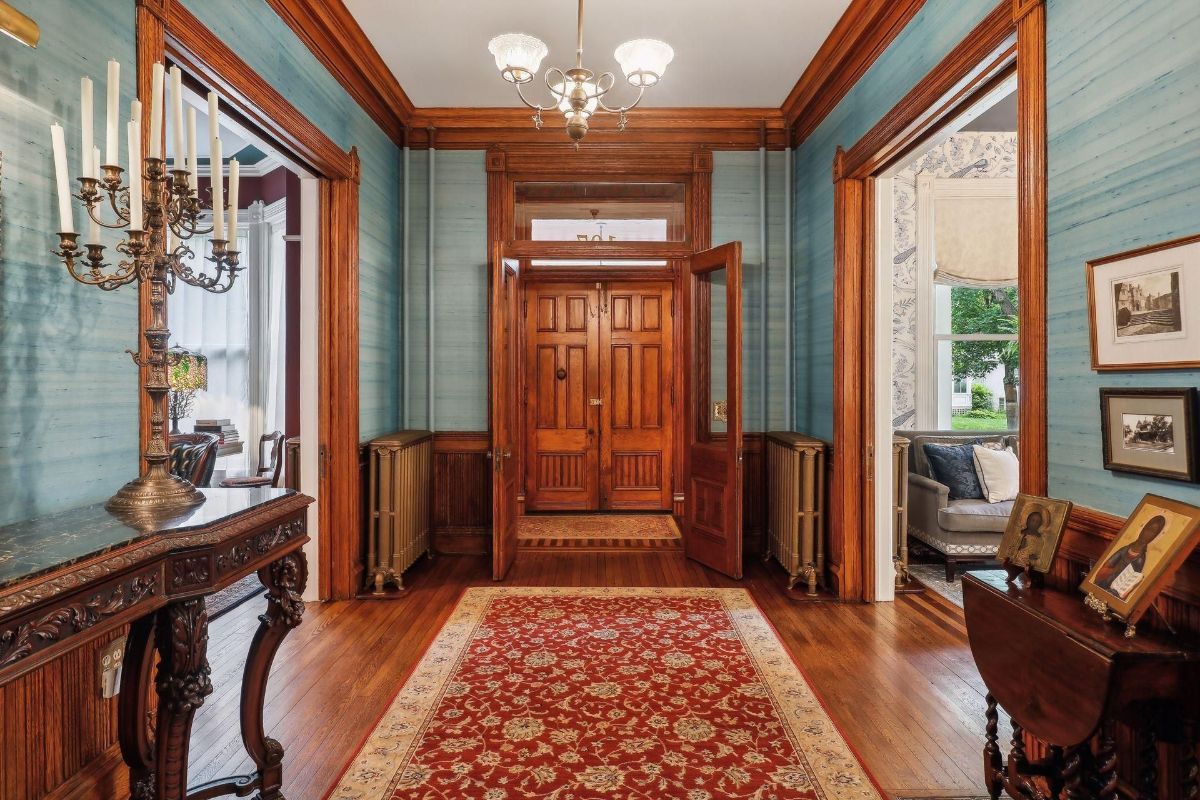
x,y
463,541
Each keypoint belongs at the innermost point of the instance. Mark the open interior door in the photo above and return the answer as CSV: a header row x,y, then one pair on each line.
x,y
505,411
712,529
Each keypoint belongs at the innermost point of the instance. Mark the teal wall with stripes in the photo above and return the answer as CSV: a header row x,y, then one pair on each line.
x,y
460,281
268,46
1123,97
1124,171
737,185
68,391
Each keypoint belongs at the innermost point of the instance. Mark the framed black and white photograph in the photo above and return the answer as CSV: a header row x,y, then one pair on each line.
x,y
1150,432
1144,307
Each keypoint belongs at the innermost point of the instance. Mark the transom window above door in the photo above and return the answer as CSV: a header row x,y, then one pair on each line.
x,y
600,212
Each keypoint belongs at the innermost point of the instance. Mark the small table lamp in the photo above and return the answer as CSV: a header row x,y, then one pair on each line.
x,y
188,374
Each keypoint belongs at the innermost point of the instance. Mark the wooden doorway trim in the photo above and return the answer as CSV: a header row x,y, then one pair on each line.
x,y
509,164
166,29
1012,36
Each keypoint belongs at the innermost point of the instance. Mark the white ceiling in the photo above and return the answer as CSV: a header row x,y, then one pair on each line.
x,y
747,53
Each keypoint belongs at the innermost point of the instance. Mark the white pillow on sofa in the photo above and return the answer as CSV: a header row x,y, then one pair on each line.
x,y
999,473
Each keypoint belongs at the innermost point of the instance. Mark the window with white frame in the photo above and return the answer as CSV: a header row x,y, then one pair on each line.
x,y
241,334
967,338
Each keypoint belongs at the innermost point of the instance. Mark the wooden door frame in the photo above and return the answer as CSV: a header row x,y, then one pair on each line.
x,y
510,164
1014,33
166,29
531,276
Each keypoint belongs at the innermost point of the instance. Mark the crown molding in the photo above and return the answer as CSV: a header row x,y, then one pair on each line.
x,y
480,128
332,34
864,31
861,35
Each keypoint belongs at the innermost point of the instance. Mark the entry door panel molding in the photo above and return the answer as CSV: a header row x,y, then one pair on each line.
x,y
599,385
712,327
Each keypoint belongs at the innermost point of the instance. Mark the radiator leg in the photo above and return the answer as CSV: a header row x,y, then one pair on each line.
x,y
810,577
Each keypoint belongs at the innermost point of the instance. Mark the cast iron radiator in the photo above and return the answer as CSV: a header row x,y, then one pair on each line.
x,y
400,478
796,506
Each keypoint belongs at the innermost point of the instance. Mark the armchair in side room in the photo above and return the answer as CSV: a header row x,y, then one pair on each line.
x,y
965,529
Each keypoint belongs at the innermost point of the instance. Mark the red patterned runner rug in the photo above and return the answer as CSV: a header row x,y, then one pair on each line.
x,y
605,694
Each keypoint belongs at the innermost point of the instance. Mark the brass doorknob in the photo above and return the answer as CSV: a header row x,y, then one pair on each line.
x,y
561,374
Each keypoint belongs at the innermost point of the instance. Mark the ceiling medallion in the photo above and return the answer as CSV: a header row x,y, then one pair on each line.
x,y
577,92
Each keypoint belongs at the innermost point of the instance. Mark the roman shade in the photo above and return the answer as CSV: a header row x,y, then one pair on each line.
x,y
975,240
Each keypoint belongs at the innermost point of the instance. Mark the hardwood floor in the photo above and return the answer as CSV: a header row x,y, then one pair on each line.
x,y
898,678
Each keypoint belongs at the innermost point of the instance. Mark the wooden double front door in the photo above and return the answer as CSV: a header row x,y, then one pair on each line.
x,y
599,395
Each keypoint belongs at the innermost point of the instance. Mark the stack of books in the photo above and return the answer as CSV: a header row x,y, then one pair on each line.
x,y
228,440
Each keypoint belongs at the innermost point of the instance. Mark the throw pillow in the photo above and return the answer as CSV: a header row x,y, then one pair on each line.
x,y
998,472
954,466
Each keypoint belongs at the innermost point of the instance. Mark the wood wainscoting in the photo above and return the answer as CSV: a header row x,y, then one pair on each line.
x,y
53,722
462,493
754,495
1087,535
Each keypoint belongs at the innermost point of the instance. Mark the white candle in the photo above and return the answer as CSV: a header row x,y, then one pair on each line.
x,y
214,129
87,170
156,111
58,144
218,190
194,177
135,175
112,140
93,226
177,118
234,176
135,112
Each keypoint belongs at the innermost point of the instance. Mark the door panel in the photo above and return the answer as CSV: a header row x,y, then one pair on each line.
x,y
505,411
562,339
713,414
637,360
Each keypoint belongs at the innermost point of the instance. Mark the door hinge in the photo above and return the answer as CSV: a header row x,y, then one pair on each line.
x,y
869,467
322,459
672,307
525,309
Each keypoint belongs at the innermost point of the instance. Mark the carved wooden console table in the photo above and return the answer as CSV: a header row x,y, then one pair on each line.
x,y
1068,678
69,578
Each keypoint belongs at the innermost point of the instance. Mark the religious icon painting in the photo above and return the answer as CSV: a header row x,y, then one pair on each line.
x,y
1035,528
1153,544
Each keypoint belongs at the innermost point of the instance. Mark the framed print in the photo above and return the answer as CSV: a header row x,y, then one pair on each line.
x,y
1144,307
1150,432
1156,540
1034,530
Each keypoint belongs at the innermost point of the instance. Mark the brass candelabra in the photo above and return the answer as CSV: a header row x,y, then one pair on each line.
x,y
171,206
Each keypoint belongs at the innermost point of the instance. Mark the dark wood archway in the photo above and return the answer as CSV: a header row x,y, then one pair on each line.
x,y
1012,37
167,30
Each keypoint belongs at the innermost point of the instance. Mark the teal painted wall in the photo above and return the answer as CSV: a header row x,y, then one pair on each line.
x,y
68,391
266,43
1124,171
736,196
460,290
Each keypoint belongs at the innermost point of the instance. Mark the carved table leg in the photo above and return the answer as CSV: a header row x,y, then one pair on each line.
x,y
133,709
182,683
285,580
1191,766
993,765
1107,763
1072,772
1148,762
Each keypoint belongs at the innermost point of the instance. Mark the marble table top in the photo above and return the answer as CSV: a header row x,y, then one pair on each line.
x,y
42,545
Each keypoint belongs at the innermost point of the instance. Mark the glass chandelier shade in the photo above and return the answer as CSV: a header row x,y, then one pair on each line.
x,y
644,61
189,371
518,56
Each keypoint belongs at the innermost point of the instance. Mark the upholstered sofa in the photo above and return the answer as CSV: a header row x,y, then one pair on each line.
x,y
961,530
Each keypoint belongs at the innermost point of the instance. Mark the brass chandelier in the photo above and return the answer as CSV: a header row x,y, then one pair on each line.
x,y
577,92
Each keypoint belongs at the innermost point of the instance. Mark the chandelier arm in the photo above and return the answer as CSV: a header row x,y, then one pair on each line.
x,y
536,108
601,89
550,86
623,109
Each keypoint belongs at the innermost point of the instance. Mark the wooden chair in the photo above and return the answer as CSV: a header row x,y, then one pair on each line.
x,y
193,456
270,463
